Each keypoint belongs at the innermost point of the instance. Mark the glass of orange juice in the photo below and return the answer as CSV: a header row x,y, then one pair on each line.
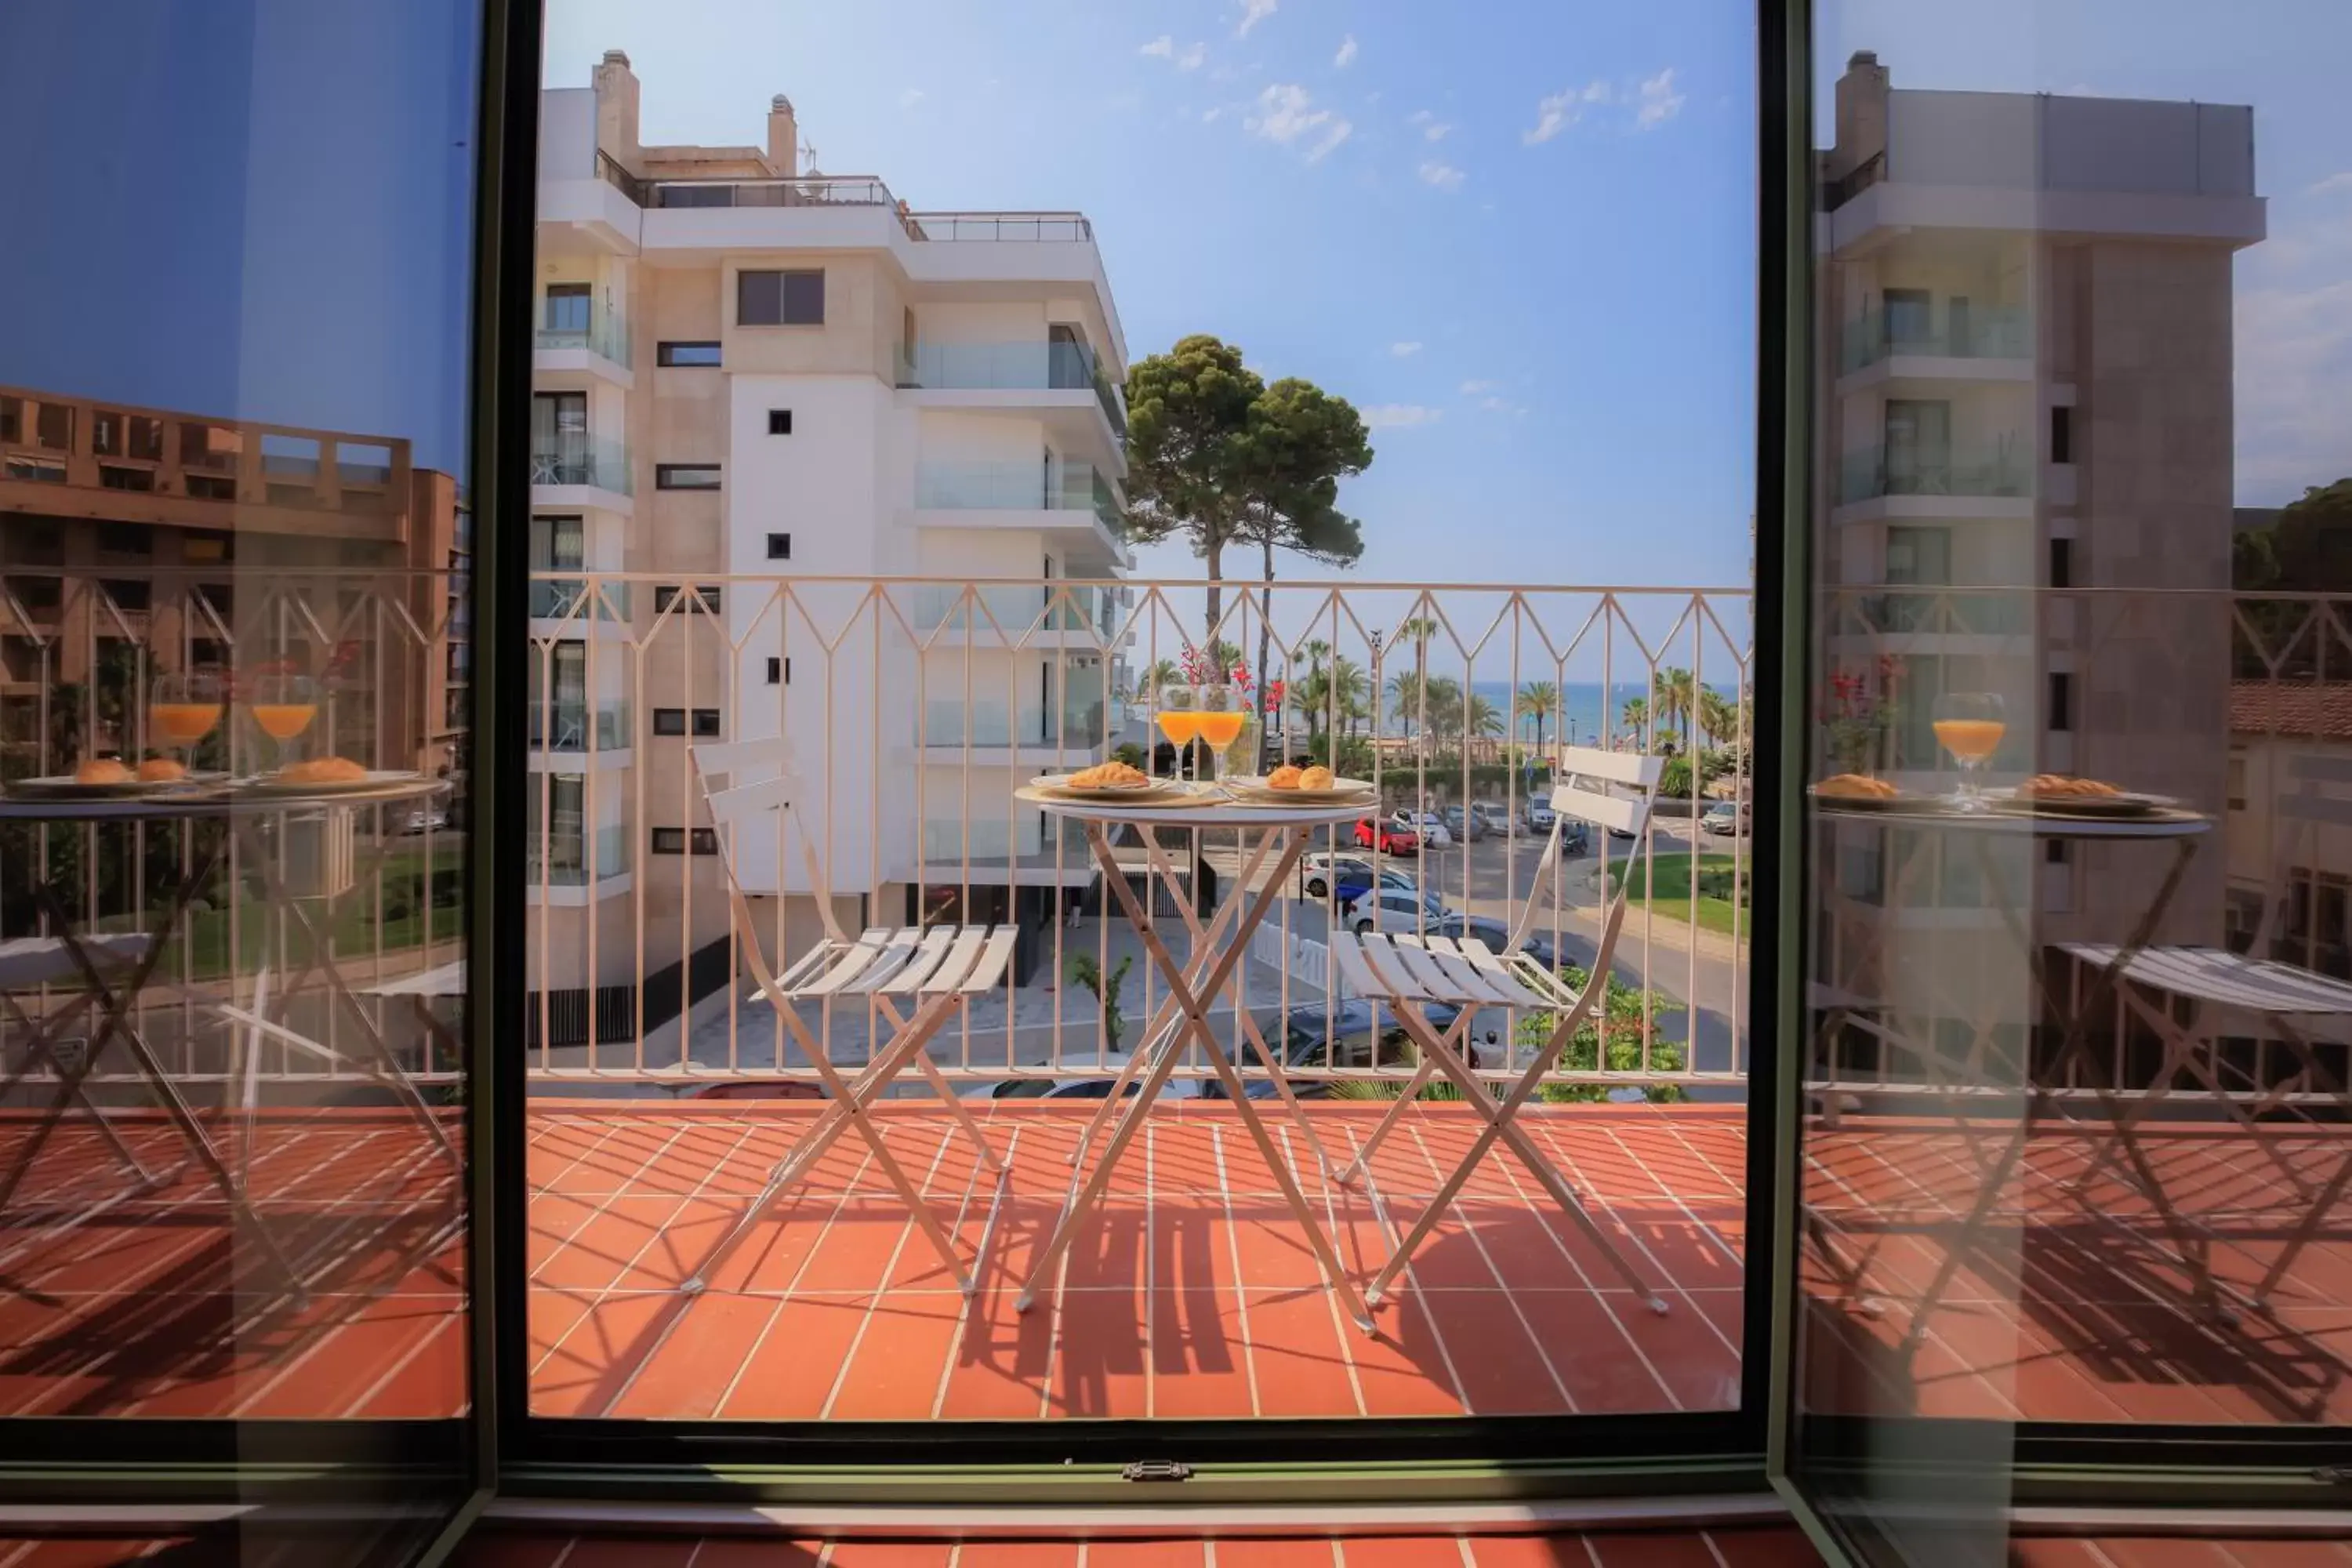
x,y
183,707
1969,725
1221,718
1179,718
283,706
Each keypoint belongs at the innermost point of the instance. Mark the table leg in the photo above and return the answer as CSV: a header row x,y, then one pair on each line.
x,y
1193,1026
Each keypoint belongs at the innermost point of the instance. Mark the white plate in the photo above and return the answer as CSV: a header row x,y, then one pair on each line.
x,y
377,778
1343,792
2095,806
65,786
1151,789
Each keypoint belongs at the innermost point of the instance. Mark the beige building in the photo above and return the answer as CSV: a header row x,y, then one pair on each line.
x,y
141,540
2289,831
2026,372
755,385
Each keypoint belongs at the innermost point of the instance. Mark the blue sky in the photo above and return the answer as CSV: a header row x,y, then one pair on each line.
x,y
1550,322
257,209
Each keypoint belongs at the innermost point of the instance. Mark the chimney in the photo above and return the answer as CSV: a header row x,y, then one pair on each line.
x,y
1861,113
783,137
616,109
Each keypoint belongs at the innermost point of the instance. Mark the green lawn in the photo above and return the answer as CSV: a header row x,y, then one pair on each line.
x,y
1674,881
206,933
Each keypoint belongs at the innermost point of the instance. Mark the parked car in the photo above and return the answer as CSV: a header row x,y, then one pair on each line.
x,y
1725,817
1427,824
1345,1037
1541,817
1392,838
1392,910
1467,823
1497,818
425,818
1354,875
1496,935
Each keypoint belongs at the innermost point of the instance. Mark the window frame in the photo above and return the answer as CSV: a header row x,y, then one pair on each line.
x,y
785,279
666,353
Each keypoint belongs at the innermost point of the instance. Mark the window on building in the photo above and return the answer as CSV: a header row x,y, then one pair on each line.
x,y
686,476
705,723
115,477
670,841
2062,562
779,547
567,307
53,427
2062,435
209,547
118,434
210,486
124,539
1910,316
779,421
35,469
670,720
2237,796
11,418
687,355
765,299
666,595
2061,700
780,671
2058,851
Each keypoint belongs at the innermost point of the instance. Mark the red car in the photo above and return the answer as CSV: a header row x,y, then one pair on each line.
x,y
1393,840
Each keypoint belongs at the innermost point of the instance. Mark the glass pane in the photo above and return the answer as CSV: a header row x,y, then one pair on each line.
x,y
941,413
232,748
2074,1150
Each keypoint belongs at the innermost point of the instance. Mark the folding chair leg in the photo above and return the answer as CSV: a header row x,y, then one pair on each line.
x,y
1396,1113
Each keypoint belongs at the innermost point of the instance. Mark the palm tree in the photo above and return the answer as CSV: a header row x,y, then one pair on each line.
x,y
1163,673
1483,717
1637,718
1677,701
1718,716
1538,700
1350,689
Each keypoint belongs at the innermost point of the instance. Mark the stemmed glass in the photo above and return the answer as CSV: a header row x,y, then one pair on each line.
x,y
183,707
1179,718
1969,725
284,706
1220,719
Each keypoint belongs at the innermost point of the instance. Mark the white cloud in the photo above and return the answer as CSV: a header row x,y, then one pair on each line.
x,y
2294,376
1286,114
1252,13
2331,184
1558,112
911,97
1431,127
1475,388
1187,58
1444,176
1347,54
1404,351
1400,415
1660,102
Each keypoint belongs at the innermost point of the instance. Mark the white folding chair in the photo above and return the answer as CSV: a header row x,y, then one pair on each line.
x,y
1415,972
937,971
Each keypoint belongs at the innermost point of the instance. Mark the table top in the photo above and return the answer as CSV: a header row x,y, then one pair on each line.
x,y
1205,807
229,802
2162,824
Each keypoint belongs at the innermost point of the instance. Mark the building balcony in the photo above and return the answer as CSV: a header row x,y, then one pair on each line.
x,y
1991,343
1982,481
1076,500
596,346
576,470
1074,615
571,868
570,735
1032,365
563,606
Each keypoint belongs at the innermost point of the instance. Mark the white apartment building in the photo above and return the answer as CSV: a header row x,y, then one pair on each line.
x,y
760,388
2025,362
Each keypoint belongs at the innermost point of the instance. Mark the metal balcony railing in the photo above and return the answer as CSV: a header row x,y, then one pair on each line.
x,y
1998,469
574,459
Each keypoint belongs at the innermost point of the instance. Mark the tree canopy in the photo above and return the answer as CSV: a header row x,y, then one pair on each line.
x,y
1218,458
2307,551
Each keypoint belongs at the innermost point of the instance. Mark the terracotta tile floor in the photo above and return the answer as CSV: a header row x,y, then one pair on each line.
x,y
1191,1294
163,1305
1746,1547
2075,1306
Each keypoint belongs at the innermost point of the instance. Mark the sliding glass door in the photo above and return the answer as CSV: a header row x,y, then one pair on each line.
x,y
236,530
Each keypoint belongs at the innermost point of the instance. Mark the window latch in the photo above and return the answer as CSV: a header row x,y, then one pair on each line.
x,y
1156,1470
